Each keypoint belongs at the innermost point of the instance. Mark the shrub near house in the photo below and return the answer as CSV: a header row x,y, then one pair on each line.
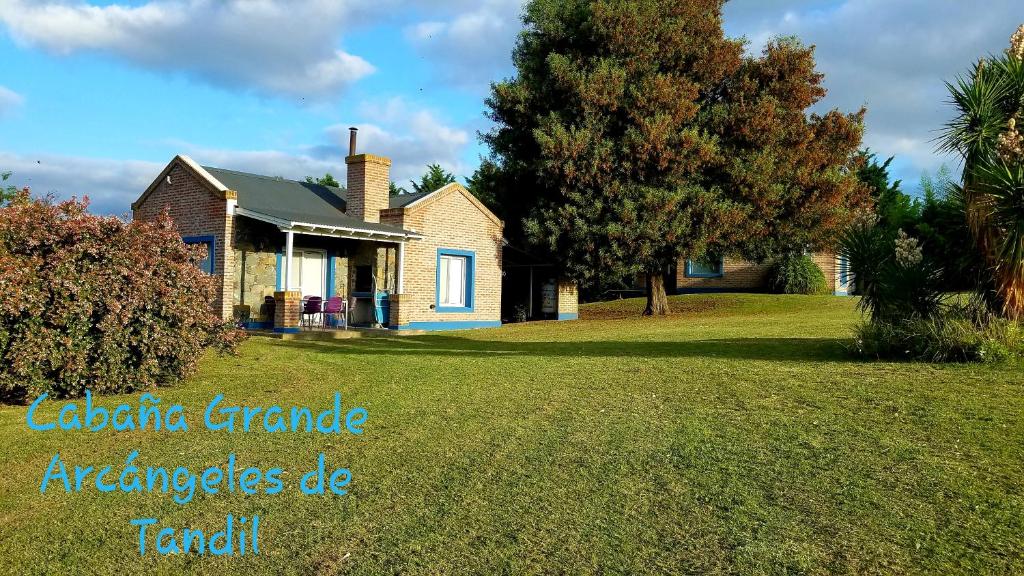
x,y
95,303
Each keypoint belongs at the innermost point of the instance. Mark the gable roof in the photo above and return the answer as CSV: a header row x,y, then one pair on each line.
x,y
403,200
285,203
277,195
421,200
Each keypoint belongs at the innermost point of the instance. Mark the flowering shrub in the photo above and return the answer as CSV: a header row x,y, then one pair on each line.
x,y
96,303
892,276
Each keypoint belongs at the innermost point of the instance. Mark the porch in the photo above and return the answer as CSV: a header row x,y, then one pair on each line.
x,y
280,263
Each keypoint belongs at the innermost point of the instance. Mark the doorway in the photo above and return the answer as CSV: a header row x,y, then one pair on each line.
x,y
309,269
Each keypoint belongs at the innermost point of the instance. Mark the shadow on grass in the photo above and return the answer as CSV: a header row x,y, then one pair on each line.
x,y
778,349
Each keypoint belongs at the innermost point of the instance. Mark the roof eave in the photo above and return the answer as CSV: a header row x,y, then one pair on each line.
x,y
311,229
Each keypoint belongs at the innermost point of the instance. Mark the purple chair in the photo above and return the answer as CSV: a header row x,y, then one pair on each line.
x,y
311,309
335,308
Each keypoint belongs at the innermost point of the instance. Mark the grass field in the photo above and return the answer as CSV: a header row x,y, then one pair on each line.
x,y
736,436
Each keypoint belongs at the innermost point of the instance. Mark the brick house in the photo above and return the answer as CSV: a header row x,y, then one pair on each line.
x,y
429,261
737,275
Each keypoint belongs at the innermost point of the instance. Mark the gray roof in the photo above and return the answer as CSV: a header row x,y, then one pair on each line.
x,y
293,201
403,200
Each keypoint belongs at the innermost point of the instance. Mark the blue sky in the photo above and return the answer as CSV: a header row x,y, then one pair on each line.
x,y
96,97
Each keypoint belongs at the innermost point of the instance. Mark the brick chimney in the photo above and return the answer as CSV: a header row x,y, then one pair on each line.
x,y
369,178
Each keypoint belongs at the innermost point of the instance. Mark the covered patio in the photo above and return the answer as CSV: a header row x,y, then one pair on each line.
x,y
307,248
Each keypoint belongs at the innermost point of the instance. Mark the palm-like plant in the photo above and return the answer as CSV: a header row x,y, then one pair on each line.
x,y
990,104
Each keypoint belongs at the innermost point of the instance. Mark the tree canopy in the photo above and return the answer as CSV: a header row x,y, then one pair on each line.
x,y
634,132
7,192
435,178
326,180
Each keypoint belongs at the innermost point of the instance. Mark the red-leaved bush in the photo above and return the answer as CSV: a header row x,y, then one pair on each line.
x,y
90,302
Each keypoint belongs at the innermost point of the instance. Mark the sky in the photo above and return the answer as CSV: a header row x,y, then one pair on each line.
x,y
97,97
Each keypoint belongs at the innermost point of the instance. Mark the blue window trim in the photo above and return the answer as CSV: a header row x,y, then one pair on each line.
x,y
329,279
280,271
212,241
470,272
691,274
844,271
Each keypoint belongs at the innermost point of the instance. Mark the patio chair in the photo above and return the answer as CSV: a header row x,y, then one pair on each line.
x,y
335,308
311,309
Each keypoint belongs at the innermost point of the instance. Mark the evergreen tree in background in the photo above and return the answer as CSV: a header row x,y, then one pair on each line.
x,y
7,192
434,179
327,180
395,189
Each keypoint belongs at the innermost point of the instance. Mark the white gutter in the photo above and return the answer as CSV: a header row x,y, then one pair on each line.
x,y
329,231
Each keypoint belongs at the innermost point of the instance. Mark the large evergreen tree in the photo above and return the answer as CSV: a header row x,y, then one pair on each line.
x,y
792,176
635,132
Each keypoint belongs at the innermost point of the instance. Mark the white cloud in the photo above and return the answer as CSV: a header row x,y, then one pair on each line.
x,y
273,46
9,100
111,185
412,137
473,47
890,56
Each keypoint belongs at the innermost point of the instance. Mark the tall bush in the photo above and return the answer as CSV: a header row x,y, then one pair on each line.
x,y
797,274
97,303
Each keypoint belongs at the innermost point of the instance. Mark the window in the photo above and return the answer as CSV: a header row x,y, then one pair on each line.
x,y
208,262
454,281
708,267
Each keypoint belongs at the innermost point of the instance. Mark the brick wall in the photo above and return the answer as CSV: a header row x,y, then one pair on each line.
x,y
197,210
447,220
368,181
828,264
744,276
740,276
568,300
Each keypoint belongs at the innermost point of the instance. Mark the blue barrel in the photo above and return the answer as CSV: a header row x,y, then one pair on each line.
x,y
382,307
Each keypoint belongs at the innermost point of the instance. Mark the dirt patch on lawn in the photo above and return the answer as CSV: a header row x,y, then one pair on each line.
x,y
632,308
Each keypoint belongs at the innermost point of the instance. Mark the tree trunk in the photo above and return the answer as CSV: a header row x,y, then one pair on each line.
x,y
657,299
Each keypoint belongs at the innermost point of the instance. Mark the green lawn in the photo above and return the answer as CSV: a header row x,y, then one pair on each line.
x,y
736,436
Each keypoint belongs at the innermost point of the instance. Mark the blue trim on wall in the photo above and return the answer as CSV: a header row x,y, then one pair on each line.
x,y
212,241
287,330
254,325
691,274
329,288
842,293
280,279
470,272
562,317
452,325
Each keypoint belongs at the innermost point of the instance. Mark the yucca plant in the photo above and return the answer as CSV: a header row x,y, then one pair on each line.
x,y
893,278
985,133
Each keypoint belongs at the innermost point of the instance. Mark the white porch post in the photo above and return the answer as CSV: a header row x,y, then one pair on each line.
x,y
289,244
401,268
